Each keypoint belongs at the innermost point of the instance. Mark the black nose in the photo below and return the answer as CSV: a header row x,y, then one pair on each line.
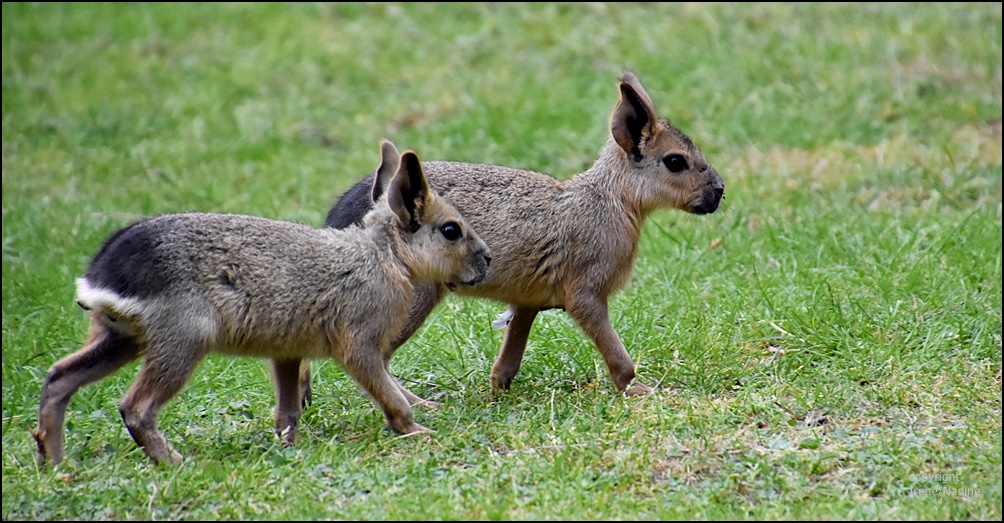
x,y
719,191
488,260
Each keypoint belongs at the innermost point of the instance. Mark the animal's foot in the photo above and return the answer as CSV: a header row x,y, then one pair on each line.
x,y
638,389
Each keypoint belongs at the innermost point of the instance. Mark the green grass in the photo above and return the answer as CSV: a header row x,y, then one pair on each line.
x,y
836,355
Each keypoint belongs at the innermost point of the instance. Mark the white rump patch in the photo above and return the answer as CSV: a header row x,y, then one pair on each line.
x,y
504,319
104,300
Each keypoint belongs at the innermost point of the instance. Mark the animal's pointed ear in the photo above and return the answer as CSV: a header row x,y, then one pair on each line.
x,y
634,117
390,159
408,192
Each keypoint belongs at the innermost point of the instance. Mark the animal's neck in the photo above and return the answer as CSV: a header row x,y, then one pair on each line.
x,y
612,177
390,247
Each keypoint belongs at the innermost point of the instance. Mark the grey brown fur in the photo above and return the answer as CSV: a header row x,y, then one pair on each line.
x,y
174,287
569,244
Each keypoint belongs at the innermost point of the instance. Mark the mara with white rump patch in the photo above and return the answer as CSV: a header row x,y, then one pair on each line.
x,y
172,288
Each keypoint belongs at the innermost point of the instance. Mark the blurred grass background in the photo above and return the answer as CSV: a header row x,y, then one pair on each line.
x,y
837,350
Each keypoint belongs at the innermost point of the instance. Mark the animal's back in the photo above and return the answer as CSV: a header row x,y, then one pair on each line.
x,y
519,215
514,211
259,283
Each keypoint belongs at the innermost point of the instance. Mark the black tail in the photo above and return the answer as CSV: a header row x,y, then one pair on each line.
x,y
352,205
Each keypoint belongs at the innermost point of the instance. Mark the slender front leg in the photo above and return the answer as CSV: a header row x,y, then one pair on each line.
x,y
508,361
367,366
288,397
413,400
424,300
591,313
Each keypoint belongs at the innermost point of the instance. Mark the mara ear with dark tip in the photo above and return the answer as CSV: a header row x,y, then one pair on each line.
x,y
633,118
408,192
390,159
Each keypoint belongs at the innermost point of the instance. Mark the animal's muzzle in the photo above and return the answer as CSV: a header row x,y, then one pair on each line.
x,y
711,196
482,262
709,203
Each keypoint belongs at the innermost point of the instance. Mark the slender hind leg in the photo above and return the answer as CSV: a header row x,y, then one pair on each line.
x,y
105,352
306,393
288,397
508,361
165,371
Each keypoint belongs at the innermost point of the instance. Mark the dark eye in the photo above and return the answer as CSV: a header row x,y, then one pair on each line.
x,y
451,231
675,163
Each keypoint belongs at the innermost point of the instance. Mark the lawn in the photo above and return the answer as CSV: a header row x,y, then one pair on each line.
x,y
827,345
